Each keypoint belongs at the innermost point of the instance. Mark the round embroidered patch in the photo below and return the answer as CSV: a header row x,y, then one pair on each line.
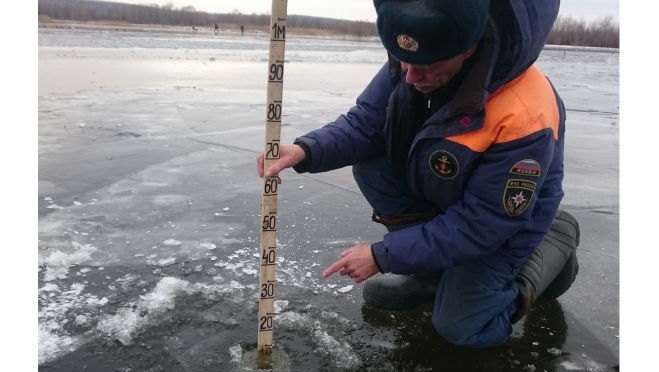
x,y
444,164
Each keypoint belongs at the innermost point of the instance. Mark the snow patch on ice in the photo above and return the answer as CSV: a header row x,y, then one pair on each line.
x,y
570,366
49,287
171,242
128,322
554,351
51,345
236,353
280,306
166,261
249,271
207,245
58,263
56,311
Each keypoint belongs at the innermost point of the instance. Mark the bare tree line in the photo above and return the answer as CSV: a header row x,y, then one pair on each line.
x,y
168,14
603,32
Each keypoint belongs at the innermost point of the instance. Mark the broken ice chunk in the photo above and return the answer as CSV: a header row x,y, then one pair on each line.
x,y
97,302
345,289
166,261
308,274
208,245
54,206
77,203
171,242
226,209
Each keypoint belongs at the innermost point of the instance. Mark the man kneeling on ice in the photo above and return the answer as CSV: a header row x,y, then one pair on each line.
x,y
457,144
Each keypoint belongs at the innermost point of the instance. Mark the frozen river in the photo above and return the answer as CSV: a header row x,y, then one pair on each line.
x,y
149,207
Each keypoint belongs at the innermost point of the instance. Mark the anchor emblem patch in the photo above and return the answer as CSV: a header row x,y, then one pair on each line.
x,y
444,164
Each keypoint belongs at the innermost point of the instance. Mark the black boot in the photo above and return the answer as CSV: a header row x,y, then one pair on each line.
x,y
401,292
553,266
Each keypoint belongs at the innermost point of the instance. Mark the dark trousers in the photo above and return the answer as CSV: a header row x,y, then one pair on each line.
x,y
476,301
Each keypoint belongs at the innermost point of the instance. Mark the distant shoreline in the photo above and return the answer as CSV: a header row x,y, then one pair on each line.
x,y
209,31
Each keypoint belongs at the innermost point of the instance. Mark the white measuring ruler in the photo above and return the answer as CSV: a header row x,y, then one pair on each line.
x,y
269,200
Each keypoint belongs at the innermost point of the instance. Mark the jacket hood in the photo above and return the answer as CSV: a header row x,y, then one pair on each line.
x,y
523,28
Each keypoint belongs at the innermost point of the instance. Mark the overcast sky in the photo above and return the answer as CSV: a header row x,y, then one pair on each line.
x,y
363,9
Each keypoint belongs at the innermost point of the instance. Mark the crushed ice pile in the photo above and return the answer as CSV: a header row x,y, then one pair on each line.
x,y
327,331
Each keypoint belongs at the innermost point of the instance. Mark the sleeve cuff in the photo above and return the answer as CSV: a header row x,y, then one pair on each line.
x,y
379,252
304,165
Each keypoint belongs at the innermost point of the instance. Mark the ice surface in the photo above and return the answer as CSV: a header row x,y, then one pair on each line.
x,y
160,189
337,352
340,353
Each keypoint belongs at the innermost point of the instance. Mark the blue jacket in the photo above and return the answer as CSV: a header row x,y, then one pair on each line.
x,y
491,159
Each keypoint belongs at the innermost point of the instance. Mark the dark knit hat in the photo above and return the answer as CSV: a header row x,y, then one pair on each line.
x,y
423,32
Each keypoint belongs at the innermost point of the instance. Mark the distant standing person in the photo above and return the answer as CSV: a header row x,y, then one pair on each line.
x,y
242,29
217,29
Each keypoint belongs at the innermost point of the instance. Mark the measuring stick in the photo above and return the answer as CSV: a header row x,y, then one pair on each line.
x,y
269,200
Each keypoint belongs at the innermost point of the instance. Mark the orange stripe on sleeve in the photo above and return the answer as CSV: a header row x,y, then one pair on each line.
x,y
516,110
